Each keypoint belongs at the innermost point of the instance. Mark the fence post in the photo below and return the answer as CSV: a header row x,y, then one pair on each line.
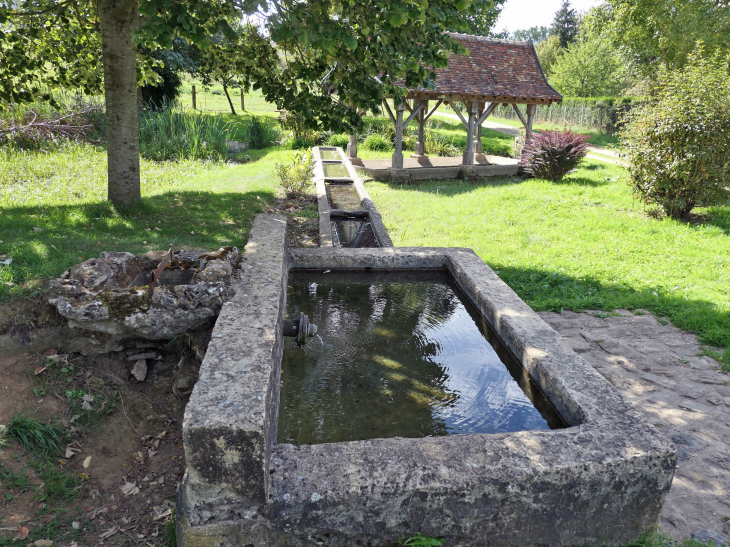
x,y
243,105
194,105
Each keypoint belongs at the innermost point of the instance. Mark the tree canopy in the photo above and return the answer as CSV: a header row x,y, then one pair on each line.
x,y
565,24
536,34
363,50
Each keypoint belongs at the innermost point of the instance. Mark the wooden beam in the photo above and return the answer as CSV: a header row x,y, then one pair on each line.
x,y
519,115
466,124
438,103
472,109
390,112
397,159
487,112
414,112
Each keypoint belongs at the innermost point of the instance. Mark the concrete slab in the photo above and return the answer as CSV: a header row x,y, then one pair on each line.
x,y
436,168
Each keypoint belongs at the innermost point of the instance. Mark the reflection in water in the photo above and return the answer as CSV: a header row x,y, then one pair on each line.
x,y
329,155
403,359
335,170
343,196
356,232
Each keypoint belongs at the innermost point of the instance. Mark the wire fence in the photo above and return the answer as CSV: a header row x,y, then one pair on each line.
x,y
604,118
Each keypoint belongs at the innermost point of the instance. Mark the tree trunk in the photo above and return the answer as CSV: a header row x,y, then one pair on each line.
x,y
230,102
118,19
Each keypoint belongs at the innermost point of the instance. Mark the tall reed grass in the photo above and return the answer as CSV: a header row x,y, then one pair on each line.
x,y
171,134
260,133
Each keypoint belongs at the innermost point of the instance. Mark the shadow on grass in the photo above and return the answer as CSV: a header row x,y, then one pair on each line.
x,y
45,240
551,291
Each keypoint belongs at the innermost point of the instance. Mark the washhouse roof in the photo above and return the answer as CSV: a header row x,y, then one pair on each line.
x,y
495,71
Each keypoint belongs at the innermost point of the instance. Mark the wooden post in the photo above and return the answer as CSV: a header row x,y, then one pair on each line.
x,y
478,146
352,147
194,105
469,152
243,103
397,161
531,108
420,151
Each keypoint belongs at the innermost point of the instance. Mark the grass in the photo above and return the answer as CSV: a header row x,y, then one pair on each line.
x,y
582,243
18,482
212,99
55,214
596,138
37,437
58,484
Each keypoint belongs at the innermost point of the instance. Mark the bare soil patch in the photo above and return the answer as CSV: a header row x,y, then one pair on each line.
x,y
126,458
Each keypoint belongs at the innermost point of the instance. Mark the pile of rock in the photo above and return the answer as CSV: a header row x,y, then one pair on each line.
x,y
115,293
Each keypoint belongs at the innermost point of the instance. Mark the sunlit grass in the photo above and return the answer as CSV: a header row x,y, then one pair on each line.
x,y
580,244
54,213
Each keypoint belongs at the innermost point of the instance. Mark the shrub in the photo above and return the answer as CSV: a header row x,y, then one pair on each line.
x,y
552,154
377,143
340,140
437,145
261,135
299,143
678,145
174,135
295,177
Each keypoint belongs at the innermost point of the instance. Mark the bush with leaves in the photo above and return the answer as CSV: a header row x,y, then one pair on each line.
x,y
436,144
553,154
339,139
296,176
678,146
377,143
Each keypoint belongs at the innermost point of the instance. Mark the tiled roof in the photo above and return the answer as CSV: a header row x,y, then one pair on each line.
x,y
496,70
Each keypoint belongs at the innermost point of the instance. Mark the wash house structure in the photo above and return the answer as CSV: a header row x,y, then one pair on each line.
x,y
495,72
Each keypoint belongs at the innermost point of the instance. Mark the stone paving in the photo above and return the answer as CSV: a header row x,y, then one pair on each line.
x,y
686,396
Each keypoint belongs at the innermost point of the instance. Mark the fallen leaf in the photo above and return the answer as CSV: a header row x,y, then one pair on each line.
x,y
43,543
22,532
84,476
54,247
38,370
87,462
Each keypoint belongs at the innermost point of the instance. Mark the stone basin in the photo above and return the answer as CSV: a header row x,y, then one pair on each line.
x,y
600,480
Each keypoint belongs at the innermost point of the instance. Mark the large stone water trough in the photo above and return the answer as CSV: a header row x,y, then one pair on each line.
x,y
600,480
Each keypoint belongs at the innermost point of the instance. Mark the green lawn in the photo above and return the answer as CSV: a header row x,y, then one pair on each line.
x,y
583,243
594,137
212,99
63,194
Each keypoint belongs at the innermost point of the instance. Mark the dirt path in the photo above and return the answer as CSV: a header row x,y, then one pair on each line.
x,y
685,396
594,152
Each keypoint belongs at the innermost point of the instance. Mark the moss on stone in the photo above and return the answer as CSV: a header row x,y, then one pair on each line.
x,y
125,302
